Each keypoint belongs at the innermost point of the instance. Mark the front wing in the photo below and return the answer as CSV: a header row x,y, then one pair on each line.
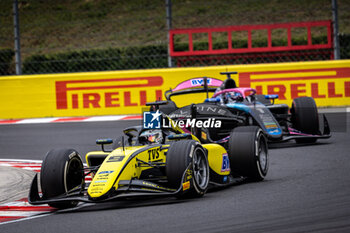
x,y
295,134
126,189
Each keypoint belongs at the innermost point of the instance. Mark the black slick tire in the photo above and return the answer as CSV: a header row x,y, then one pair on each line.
x,y
61,171
179,156
248,152
304,117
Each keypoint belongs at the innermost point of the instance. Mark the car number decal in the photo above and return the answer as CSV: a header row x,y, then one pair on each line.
x,y
225,163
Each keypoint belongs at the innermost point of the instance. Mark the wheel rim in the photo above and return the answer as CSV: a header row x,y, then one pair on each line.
x,y
74,175
262,154
200,168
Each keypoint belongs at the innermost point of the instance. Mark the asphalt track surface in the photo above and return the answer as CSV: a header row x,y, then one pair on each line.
x,y
307,189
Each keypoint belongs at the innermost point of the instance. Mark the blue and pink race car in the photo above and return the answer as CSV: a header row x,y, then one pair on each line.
x,y
235,106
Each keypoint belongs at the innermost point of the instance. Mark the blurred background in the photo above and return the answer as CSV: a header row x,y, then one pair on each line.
x,y
55,36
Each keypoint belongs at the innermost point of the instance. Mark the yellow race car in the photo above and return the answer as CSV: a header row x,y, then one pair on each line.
x,y
150,162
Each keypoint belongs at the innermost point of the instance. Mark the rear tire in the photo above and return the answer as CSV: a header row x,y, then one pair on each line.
x,y
305,118
61,171
179,156
248,152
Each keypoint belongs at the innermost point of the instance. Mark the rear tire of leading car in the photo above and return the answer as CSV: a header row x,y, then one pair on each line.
x,y
305,118
179,156
248,152
61,171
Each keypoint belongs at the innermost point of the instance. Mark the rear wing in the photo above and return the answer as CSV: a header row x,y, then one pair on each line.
x,y
194,85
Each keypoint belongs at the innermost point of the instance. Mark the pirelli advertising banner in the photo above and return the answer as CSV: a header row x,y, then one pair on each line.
x,y
125,92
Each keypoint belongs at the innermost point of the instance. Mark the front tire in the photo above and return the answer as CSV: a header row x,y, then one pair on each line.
x,y
248,152
305,118
61,171
179,156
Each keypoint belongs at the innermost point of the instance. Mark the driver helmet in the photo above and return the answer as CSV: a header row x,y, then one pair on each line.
x,y
231,96
153,135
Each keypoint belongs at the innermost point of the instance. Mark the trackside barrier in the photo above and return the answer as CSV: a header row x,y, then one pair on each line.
x,y
125,92
268,28
268,49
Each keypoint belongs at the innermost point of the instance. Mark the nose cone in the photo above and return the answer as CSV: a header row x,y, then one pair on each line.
x,y
109,171
106,175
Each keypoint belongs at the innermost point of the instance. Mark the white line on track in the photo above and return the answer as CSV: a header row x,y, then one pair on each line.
x,y
27,218
21,160
104,118
37,120
20,213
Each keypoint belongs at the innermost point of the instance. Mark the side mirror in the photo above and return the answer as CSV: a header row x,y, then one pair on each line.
x,y
179,136
269,97
131,132
103,142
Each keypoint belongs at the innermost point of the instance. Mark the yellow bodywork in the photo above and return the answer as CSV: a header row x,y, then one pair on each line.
x,y
129,162
121,164
217,156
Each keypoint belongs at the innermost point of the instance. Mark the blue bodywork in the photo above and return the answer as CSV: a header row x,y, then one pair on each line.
x,y
262,115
